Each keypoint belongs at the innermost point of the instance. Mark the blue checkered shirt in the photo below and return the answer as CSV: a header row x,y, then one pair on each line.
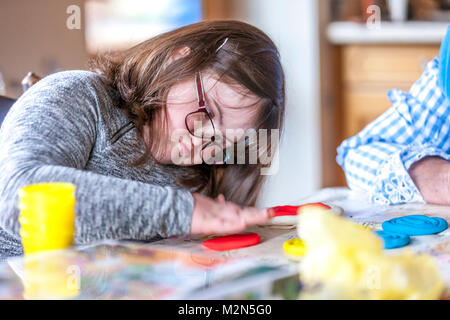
x,y
376,160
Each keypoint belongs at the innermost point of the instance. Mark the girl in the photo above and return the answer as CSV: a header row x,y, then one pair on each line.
x,y
137,133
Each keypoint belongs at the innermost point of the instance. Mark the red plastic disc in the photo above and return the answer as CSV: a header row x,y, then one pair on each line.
x,y
233,241
292,210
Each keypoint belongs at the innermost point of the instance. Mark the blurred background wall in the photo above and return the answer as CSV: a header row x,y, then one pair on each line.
x,y
34,37
293,26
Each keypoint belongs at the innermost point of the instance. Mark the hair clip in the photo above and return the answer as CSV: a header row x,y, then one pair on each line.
x,y
227,157
225,41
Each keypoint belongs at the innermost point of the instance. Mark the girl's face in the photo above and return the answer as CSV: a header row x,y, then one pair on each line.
x,y
232,107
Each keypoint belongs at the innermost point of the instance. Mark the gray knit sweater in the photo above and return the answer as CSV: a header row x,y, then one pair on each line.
x,y
67,127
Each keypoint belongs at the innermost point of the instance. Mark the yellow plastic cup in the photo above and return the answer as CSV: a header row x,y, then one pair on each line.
x,y
49,241
47,216
42,227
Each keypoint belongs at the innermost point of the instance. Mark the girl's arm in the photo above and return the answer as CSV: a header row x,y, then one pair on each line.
x,y
378,159
48,136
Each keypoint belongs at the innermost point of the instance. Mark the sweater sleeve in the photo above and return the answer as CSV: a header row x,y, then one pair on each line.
x,y
48,136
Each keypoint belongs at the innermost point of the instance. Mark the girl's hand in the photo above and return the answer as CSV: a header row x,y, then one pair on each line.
x,y
219,216
431,175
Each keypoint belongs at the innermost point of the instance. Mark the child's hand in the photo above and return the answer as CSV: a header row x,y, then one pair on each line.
x,y
219,216
431,175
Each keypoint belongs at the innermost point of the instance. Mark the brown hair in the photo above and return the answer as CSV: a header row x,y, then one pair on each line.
x,y
249,58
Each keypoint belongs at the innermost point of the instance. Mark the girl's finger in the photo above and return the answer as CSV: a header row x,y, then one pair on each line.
x,y
221,198
230,227
255,216
225,225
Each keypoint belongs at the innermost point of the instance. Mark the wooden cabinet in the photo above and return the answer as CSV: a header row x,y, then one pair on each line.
x,y
370,71
216,9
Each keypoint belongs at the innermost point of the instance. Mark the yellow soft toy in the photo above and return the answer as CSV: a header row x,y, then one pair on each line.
x,y
345,261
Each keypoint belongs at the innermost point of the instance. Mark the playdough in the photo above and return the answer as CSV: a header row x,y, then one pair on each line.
x,y
295,247
364,227
233,241
288,215
415,225
343,261
293,210
393,240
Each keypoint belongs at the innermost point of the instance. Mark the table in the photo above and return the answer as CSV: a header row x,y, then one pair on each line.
x,y
356,207
119,270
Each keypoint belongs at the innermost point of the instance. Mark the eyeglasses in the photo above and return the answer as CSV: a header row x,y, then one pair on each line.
x,y
200,124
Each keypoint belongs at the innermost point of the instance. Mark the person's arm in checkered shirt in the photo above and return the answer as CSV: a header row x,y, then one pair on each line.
x,y
406,149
